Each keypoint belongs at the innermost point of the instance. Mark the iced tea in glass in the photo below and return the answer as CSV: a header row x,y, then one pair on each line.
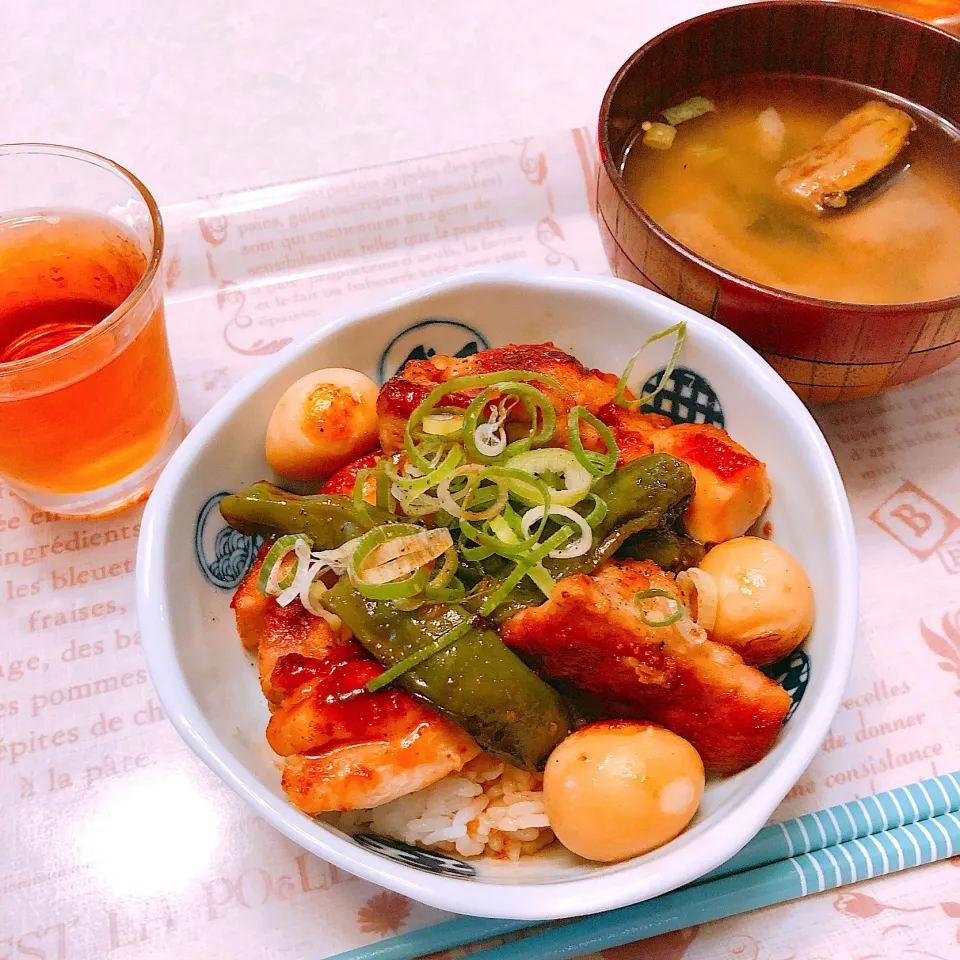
x,y
88,402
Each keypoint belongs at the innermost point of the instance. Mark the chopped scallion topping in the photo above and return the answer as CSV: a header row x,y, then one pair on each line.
x,y
599,464
667,621
679,330
417,657
688,110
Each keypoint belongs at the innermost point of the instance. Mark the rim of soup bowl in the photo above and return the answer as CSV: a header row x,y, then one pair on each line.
x,y
624,884
796,299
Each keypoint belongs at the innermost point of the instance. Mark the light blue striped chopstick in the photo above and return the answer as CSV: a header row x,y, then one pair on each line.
x,y
886,852
875,817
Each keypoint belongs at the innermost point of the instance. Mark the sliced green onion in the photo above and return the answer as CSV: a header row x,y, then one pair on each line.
x,y
471,494
384,499
513,519
391,468
456,385
302,574
659,136
310,598
475,552
417,657
359,503
443,470
451,593
523,568
503,530
399,556
534,400
269,581
688,110
421,506
447,569
655,592
599,464
530,465
494,542
543,581
576,549
538,406
678,329
471,423
485,441
443,424
396,589
599,511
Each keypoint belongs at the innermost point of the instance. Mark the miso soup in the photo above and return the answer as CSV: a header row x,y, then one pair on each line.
x,y
718,188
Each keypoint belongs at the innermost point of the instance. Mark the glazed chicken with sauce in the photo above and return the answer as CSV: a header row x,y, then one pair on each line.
x,y
732,485
401,394
343,748
590,632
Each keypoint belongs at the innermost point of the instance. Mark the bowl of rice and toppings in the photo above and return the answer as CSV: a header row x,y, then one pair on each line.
x,y
540,588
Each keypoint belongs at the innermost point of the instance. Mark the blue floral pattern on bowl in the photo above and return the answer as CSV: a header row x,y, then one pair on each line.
x,y
426,338
224,554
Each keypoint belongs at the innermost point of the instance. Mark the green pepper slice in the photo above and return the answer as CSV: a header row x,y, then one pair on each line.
x,y
476,680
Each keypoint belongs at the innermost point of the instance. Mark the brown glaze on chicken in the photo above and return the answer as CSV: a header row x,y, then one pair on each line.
x,y
356,776
348,749
634,431
344,480
345,748
733,488
590,632
401,394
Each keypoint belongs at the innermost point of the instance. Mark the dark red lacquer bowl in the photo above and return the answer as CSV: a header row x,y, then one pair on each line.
x,y
826,350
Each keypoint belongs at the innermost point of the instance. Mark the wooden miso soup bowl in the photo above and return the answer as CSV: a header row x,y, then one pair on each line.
x,y
826,350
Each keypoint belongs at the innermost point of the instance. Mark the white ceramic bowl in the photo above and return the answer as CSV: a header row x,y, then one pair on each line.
x,y
189,562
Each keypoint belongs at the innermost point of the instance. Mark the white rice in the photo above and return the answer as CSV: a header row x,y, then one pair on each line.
x,y
488,807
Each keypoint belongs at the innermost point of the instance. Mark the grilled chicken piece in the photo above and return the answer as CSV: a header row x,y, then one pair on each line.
x,y
345,748
732,485
250,606
633,430
293,629
590,632
335,707
853,151
357,776
401,394
343,481
274,631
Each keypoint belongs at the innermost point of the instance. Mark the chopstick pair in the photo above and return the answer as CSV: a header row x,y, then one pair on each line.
x,y
881,834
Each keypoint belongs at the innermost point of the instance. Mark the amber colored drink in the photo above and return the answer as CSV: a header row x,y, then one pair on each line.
x,y
61,275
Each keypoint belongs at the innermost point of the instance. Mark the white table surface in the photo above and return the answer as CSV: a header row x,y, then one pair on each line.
x,y
203,96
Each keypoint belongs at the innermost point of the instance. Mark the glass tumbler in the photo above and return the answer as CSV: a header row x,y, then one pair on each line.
x,y
88,401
